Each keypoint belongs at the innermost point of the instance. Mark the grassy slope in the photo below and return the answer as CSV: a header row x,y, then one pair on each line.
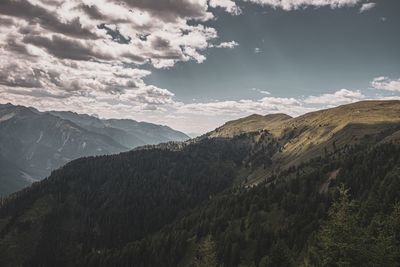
x,y
316,133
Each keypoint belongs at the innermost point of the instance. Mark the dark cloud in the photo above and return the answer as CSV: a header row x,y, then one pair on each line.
x,y
27,83
65,48
160,44
175,55
171,10
14,75
6,21
37,93
36,14
92,11
29,30
19,48
131,84
51,2
55,77
139,59
73,28
10,76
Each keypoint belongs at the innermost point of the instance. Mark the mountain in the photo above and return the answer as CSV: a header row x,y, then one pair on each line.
x,y
317,133
34,143
252,123
127,132
260,191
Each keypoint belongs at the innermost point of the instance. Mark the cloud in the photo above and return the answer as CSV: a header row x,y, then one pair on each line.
x,y
78,53
229,6
231,44
257,50
171,10
66,48
245,106
260,91
384,83
340,97
297,4
93,30
38,15
393,97
366,7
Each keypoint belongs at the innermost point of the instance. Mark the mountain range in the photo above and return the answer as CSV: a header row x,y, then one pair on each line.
x,y
259,191
34,143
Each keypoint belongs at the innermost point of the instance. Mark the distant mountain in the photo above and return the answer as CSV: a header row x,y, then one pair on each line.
x,y
254,192
34,143
127,132
194,135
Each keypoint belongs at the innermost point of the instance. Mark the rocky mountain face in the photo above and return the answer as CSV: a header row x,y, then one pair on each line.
x,y
34,143
254,192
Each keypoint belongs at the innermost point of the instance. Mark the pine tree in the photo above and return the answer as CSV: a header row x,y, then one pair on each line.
x,y
206,255
341,240
280,255
345,241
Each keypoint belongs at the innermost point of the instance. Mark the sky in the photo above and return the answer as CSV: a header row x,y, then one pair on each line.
x,y
195,64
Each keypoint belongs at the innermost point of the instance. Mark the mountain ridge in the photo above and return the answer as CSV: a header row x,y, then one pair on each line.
x,y
316,133
128,132
39,142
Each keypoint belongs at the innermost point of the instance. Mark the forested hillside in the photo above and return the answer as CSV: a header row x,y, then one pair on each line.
x,y
285,222
106,202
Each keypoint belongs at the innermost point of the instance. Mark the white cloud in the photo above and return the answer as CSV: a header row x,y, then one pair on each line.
x,y
343,96
260,91
229,6
393,97
242,107
297,4
231,44
91,55
366,7
384,83
257,50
